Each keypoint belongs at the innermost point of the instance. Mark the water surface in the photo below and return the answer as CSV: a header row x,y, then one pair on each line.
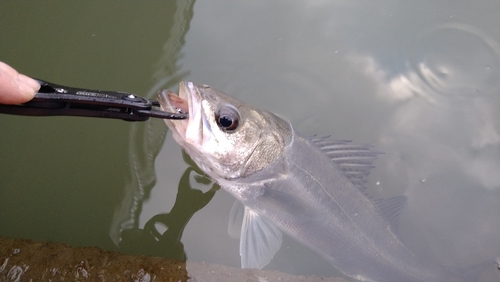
x,y
420,80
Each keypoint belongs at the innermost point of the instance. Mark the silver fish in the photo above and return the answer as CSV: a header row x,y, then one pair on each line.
x,y
308,187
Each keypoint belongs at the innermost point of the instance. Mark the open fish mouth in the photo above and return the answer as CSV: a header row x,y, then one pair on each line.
x,y
169,101
187,102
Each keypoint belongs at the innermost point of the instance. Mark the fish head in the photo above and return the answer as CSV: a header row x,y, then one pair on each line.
x,y
227,138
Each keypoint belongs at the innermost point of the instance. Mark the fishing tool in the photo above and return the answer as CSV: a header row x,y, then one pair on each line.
x,y
58,100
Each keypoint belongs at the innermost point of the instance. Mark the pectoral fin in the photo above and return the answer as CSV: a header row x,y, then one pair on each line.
x,y
235,219
259,240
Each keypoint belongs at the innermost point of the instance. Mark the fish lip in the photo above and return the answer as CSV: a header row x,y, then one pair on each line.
x,y
169,102
166,104
189,93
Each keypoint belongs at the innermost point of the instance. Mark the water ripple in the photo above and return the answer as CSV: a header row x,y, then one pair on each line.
x,y
457,59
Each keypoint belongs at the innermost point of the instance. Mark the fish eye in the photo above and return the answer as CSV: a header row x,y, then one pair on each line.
x,y
227,118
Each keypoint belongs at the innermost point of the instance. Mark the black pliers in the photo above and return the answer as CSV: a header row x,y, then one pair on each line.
x,y
58,100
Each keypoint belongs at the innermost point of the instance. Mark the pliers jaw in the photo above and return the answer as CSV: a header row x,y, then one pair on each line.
x,y
57,100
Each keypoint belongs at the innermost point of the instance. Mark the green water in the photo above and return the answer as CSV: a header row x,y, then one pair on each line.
x,y
62,177
420,80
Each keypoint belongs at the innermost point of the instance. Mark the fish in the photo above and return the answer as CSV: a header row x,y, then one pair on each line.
x,y
311,188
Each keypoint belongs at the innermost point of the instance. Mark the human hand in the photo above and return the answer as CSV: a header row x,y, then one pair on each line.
x,y
16,88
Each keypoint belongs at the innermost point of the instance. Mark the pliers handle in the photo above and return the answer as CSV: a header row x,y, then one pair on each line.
x,y
57,100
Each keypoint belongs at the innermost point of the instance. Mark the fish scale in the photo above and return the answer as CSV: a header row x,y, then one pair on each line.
x,y
309,188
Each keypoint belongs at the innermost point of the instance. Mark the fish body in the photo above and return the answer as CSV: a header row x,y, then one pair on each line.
x,y
319,206
309,188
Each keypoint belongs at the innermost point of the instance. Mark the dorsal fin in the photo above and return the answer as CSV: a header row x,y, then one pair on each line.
x,y
354,160
391,208
485,271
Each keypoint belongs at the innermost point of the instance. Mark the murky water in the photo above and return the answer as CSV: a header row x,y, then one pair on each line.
x,y
420,79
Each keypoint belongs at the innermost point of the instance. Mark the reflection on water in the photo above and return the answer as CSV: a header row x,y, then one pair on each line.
x,y
442,142
447,130
419,82
167,244
418,79
146,139
450,59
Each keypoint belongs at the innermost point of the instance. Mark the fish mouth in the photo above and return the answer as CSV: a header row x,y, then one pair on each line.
x,y
187,102
169,101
